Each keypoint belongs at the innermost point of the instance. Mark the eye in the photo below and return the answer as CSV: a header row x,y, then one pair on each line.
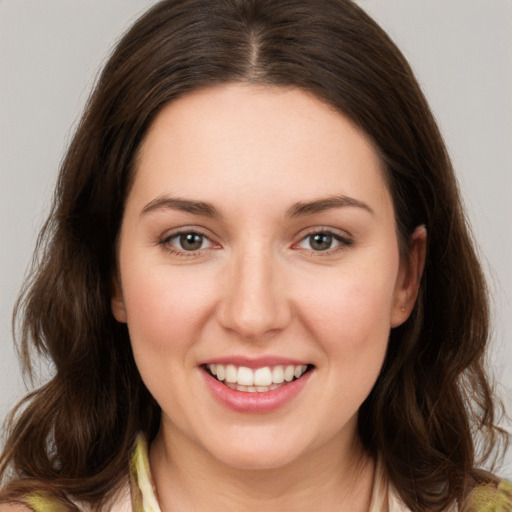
x,y
323,241
187,241
320,241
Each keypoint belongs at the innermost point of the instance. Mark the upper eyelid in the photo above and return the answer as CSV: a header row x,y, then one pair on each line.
x,y
180,233
341,233
183,230
342,237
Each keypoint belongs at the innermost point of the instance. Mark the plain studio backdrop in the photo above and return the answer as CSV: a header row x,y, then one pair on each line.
x,y
52,50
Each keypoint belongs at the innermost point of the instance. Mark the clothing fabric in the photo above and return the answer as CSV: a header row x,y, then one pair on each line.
x,y
139,494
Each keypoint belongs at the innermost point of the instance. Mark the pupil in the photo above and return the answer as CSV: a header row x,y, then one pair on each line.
x,y
321,242
191,241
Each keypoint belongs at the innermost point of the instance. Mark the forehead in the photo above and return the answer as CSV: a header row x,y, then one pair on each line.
x,y
254,141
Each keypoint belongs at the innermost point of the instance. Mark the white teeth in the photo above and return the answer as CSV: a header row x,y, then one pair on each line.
x,y
250,389
245,376
278,375
263,376
231,373
299,370
258,380
289,373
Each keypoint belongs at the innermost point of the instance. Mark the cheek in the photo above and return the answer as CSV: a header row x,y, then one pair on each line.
x,y
352,329
165,309
352,310
349,314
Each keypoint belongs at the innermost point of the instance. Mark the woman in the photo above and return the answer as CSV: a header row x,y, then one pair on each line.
x,y
257,284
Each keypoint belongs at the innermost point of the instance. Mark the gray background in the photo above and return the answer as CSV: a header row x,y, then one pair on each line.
x,y
51,51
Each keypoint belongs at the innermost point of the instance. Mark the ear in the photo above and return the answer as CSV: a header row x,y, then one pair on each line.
x,y
409,277
117,301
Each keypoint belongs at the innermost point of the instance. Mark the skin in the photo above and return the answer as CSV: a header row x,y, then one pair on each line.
x,y
258,286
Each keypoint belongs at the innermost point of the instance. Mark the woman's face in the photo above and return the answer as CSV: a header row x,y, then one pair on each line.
x,y
258,243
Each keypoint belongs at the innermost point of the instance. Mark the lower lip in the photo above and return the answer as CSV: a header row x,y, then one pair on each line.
x,y
256,403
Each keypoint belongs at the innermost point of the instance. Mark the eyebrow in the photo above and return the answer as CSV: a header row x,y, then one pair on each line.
x,y
320,205
184,205
299,209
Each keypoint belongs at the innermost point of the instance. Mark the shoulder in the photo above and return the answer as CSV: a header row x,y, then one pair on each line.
x,y
491,497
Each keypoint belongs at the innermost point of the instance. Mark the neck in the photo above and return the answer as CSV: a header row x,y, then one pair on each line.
x,y
338,476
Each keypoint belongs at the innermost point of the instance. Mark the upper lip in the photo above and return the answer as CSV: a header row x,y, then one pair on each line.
x,y
255,362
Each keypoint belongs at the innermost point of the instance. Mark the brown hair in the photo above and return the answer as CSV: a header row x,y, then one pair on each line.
x,y
72,437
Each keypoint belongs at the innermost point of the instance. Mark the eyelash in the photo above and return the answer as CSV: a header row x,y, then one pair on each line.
x,y
166,243
343,242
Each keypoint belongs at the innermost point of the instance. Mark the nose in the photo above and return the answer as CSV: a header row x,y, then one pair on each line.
x,y
254,303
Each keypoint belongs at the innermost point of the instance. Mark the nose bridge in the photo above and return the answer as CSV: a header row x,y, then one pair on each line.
x,y
254,302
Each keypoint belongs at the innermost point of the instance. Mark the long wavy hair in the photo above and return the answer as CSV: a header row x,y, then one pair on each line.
x,y
71,438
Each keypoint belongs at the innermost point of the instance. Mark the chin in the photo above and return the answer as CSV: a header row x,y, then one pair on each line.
x,y
252,456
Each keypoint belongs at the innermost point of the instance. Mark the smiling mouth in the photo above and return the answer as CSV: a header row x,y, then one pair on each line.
x,y
257,380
